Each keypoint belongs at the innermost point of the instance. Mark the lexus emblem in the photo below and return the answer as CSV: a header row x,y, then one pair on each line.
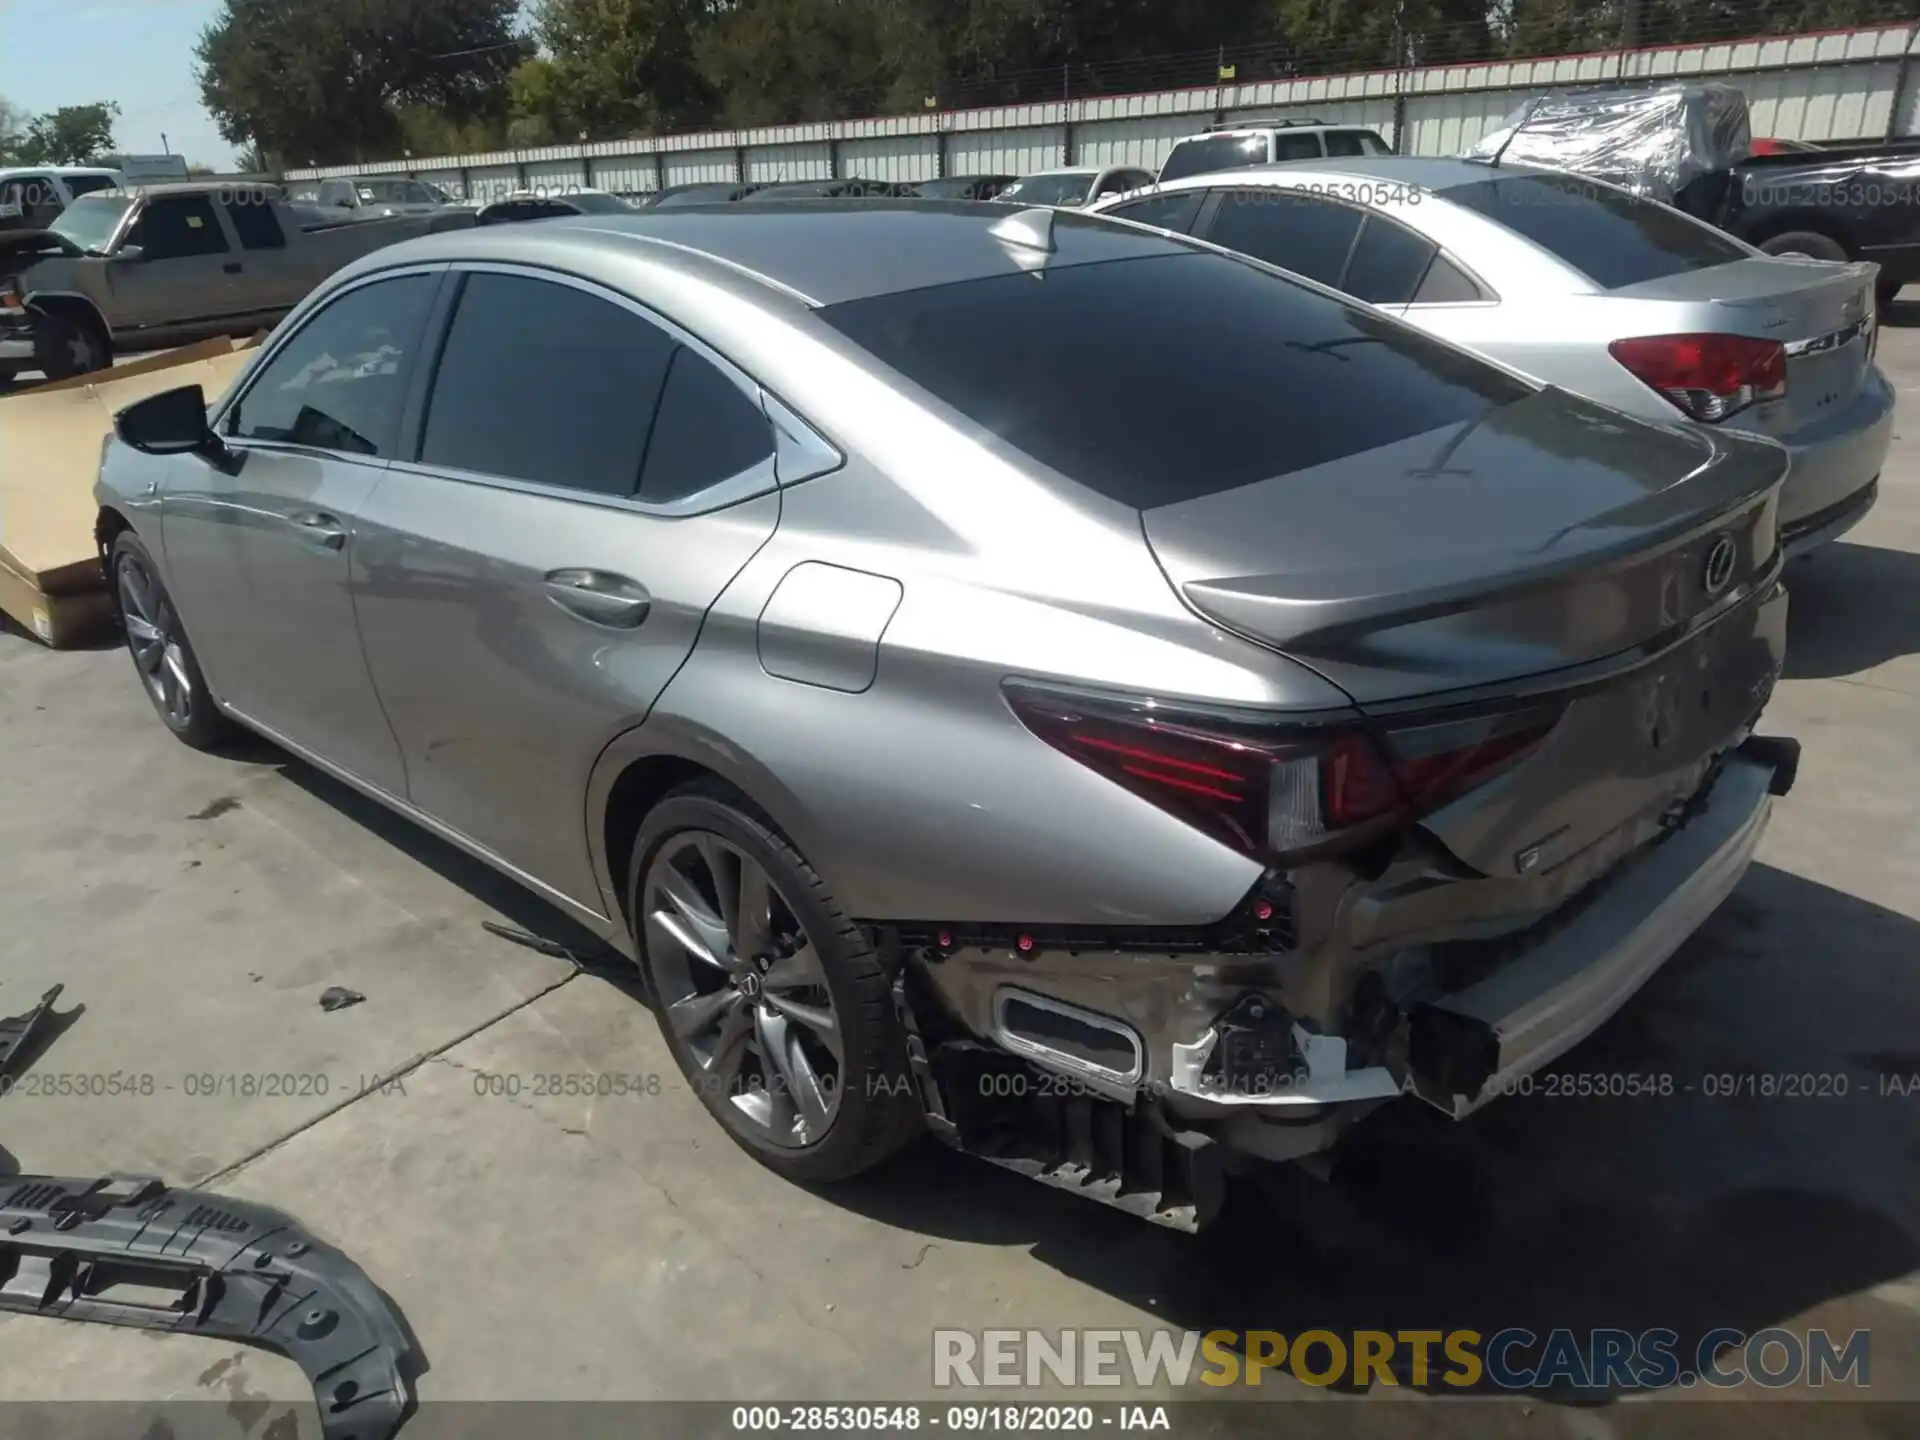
x,y
1720,562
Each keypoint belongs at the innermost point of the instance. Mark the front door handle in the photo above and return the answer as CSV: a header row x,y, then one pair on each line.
x,y
600,597
322,529
232,267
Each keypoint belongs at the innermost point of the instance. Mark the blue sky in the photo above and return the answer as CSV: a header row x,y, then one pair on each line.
x,y
138,52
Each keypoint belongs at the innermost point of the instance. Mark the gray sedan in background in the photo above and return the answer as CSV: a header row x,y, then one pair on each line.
x,y
1585,286
997,672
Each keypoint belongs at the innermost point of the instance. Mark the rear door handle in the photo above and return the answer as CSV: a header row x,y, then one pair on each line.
x,y
320,528
232,267
600,597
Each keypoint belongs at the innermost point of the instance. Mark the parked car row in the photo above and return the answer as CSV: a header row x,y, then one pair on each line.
x,y
1130,726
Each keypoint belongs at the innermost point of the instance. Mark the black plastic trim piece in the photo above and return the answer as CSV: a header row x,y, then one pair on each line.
x,y
1780,753
241,1271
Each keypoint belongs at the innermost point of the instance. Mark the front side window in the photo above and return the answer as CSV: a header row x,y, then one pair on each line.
x,y
1289,228
78,185
546,383
1174,211
178,227
340,381
1163,379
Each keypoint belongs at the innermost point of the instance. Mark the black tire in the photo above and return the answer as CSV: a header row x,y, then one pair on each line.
x,y
878,1109
200,722
1886,291
1810,243
68,346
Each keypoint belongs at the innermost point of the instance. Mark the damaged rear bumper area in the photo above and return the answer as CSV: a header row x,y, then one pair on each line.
x,y
127,1250
1141,1076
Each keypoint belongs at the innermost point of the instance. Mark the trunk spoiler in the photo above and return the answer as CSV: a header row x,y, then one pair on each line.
x,y
241,1272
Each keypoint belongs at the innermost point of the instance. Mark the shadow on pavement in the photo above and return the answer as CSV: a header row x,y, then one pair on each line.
x,y
1851,607
1690,1213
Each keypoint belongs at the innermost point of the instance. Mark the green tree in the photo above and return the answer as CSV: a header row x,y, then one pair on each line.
x,y
325,81
13,130
623,67
778,61
536,108
71,135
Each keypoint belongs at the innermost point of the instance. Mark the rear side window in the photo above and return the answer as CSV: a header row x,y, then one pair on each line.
x,y
546,383
1613,238
1163,379
1216,152
1288,228
1296,147
1170,212
1387,264
1447,284
254,222
1355,142
707,431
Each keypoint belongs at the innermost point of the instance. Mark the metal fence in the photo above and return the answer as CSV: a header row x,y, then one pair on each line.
x,y
1834,85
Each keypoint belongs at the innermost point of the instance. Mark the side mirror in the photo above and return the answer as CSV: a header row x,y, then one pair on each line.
x,y
129,254
174,422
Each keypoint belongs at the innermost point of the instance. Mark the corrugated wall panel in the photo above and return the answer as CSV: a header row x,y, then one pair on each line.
x,y
696,167
1826,86
556,176
624,174
899,158
1004,152
1144,141
489,182
788,162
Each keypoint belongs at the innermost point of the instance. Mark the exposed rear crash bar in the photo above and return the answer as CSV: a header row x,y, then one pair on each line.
x,y
237,1271
1465,1048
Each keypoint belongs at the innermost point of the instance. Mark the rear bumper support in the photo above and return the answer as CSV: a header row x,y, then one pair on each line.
x,y
240,1271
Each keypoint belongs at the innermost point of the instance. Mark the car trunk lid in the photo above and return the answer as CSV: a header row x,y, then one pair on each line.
x,y
1554,550
1821,312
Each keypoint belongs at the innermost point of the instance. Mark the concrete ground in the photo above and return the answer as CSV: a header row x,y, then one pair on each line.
x,y
622,1248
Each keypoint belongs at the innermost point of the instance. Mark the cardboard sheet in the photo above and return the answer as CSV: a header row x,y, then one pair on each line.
x,y
50,442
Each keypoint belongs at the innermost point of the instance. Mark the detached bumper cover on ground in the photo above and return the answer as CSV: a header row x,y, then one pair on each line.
x,y
235,1271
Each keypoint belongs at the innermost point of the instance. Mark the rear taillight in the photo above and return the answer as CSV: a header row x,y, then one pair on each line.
x,y
1708,377
1274,790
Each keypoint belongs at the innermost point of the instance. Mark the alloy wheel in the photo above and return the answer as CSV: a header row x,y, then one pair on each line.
x,y
741,986
153,635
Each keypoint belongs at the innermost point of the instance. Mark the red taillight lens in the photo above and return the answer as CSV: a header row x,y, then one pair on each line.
x,y
1708,377
1275,790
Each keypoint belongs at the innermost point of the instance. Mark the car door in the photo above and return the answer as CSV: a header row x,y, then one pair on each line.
x,y
259,552
184,271
585,481
270,280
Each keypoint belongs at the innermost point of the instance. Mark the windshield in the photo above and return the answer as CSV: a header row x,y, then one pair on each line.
x,y
1216,152
590,204
90,221
1049,190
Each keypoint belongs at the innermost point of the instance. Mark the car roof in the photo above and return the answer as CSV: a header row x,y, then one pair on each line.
x,y
1436,173
1075,170
8,170
821,252
156,189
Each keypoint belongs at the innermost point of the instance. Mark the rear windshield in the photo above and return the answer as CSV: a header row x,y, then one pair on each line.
x,y
1613,238
1217,152
1049,190
1172,377
87,184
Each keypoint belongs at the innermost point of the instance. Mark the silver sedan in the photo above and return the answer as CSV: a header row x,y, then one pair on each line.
x,y
1006,673
1585,286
